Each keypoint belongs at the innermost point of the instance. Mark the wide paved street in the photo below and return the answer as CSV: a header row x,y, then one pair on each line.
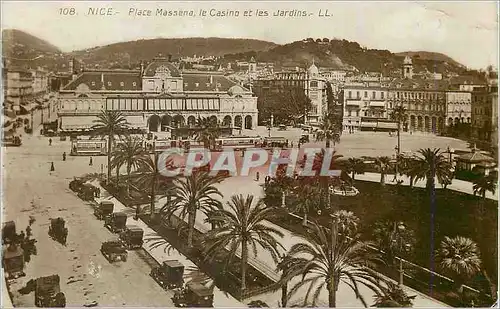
x,y
86,276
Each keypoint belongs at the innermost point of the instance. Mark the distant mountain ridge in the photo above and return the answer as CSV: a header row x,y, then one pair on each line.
x,y
326,53
430,56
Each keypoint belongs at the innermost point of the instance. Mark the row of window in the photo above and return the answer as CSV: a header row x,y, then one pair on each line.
x,y
368,113
122,84
365,95
163,104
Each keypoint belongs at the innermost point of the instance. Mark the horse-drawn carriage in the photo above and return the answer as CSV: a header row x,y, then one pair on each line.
x,y
58,231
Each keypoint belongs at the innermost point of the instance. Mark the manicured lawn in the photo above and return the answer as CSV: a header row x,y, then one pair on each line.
x,y
456,214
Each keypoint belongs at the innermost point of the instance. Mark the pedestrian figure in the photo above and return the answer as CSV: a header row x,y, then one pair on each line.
x,y
28,231
291,144
41,131
32,220
50,142
64,156
52,167
21,237
257,176
90,162
137,212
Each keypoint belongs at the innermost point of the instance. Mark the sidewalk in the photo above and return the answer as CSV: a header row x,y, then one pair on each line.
x,y
456,185
221,299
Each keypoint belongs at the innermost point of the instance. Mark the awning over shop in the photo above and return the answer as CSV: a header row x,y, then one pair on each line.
x,y
387,125
77,123
377,104
368,124
136,122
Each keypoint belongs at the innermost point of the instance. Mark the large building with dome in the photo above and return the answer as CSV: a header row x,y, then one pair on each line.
x,y
310,81
154,98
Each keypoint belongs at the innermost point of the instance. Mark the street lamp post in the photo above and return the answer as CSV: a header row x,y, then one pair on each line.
x,y
402,246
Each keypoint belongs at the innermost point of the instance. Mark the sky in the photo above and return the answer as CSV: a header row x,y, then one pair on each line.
x,y
465,31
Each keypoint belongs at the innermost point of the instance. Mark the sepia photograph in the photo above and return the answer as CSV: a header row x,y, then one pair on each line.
x,y
249,154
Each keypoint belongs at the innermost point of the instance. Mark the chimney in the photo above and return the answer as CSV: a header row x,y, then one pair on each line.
x,y
142,67
102,82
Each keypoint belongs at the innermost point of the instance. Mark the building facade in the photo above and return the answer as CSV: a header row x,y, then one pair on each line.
x,y
485,115
18,87
310,81
40,81
364,105
458,107
156,97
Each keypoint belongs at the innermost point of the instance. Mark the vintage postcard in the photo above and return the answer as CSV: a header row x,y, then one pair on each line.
x,y
249,154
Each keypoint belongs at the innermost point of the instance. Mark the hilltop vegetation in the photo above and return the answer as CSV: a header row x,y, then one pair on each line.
x,y
343,54
335,54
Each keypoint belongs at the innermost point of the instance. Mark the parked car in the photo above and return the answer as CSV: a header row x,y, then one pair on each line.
x,y
194,295
113,250
104,209
132,237
169,274
116,222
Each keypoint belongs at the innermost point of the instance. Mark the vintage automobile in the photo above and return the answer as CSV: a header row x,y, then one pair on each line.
x,y
9,232
132,237
87,192
304,138
13,261
104,209
194,295
113,250
169,274
116,222
76,185
282,127
48,292
57,230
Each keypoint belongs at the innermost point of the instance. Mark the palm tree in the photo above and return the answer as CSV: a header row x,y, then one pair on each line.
x,y
129,153
330,129
355,166
393,296
484,184
192,193
408,166
431,164
307,199
459,256
148,177
328,258
110,123
208,131
346,221
394,238
398,114
383,164
242,226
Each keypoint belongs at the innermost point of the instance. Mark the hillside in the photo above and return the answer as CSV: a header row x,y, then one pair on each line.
x,y
334,54
425,55
134,51
343,54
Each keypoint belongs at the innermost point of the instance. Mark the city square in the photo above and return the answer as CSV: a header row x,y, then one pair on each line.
x,y
165,162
